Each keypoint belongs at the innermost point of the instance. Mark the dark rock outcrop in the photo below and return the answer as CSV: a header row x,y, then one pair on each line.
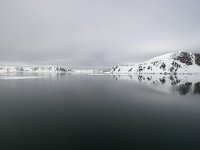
x,y
185,58
197,59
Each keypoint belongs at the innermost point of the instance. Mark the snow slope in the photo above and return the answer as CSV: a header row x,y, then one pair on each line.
x,y
178,62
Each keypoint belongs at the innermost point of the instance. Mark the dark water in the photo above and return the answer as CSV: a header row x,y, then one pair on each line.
x,y
95,112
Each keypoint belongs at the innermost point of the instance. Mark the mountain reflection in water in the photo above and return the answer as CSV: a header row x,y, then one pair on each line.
x,y
181,84
172,84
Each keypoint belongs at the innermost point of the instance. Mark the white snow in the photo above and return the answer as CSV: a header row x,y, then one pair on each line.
x,y
161,64
85,71
11,69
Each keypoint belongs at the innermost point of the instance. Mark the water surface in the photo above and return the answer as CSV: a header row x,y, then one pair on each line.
x,y
98,112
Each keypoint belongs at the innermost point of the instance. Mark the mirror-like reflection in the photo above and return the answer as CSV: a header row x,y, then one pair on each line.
x,y
173,84
28,75
73,111
181,84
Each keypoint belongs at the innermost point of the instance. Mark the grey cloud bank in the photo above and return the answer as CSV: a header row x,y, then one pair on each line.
x,y
95,33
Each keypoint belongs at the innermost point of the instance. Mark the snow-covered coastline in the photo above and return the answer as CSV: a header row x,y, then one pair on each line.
x,y
172,63
37,69
84,71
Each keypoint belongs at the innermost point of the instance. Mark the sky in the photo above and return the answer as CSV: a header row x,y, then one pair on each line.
x,y
95,33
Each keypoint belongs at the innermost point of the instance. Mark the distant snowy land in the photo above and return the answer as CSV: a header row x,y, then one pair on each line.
x,y
39,69
172,63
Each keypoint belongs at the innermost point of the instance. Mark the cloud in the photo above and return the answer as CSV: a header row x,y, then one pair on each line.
x,y
95,33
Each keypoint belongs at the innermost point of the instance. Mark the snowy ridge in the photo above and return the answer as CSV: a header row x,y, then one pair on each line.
x,y
178,62
33,69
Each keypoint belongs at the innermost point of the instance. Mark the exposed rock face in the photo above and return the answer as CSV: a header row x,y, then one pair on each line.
x,y
174,67
185,57
163,66
197,59
178,62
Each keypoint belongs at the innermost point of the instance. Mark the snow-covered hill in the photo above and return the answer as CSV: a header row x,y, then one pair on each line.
x,y
33,69
178,62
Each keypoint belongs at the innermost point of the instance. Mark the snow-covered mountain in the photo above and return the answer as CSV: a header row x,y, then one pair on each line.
x,y
33,69
177,62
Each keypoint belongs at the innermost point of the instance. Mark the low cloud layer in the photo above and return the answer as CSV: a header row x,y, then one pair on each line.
x,y
95,33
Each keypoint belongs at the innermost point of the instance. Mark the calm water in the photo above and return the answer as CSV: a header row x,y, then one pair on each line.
x,y
99,112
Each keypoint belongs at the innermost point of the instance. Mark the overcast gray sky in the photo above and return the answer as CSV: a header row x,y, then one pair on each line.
x,y
95,33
